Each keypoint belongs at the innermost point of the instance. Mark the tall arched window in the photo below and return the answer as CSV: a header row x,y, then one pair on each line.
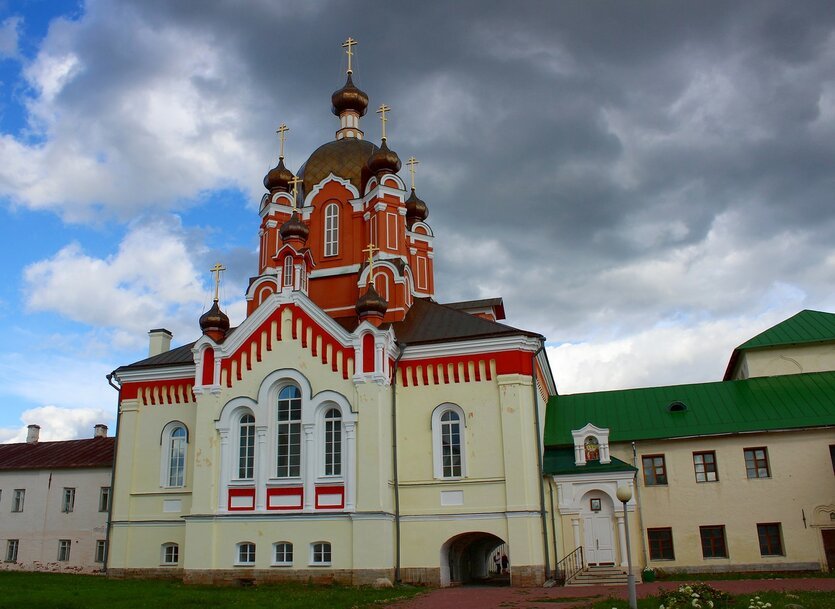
x,y
288,270
174,446
448,441
332,230
246,447
288,462
333,442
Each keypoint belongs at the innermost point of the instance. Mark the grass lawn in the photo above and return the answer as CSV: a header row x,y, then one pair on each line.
x,y
59,591
778,600
701,577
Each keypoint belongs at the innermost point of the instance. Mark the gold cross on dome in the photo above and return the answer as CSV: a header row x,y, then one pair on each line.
x,y
371,249
347,45
282,129
217,269
382,112
295,183
411,163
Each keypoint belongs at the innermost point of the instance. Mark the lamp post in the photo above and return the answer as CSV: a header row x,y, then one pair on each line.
x,y
624,495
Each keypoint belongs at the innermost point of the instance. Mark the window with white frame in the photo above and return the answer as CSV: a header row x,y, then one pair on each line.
x,y
289,443
448,441
333,442
68,500
170,554
332,229
174,447
18,497
64,546
12,546
320,553
100,550
288,271
246,447
283,554
104,499
245,554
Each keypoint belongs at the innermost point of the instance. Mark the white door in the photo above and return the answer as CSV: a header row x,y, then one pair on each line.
x,y
599,547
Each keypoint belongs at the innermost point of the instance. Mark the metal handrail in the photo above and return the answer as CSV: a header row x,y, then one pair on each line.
x,y
570,566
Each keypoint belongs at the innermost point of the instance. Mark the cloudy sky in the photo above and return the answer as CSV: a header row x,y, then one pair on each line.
x,y
647,184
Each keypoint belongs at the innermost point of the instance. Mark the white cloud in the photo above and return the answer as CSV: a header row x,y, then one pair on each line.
x,y
9,35
59,424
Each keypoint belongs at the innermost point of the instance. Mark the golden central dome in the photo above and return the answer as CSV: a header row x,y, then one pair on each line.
x,y
344,158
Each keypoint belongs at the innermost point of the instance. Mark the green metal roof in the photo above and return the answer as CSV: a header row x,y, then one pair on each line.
x,y
805,327
560,461
756,404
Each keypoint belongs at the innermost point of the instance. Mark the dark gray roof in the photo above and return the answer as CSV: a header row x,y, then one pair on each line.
x,y
174,357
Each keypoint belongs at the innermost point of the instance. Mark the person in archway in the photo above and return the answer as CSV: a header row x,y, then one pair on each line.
x,y
497,563
505,563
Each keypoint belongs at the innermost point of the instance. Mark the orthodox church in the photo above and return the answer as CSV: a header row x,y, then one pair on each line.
x,y
351,428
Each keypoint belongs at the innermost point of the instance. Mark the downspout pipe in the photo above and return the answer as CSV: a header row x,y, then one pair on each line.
x,y
114,382
541,479
396,477
638,506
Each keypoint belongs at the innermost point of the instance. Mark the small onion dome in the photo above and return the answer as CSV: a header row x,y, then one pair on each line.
x,y
416,210
371,303
349,98
214,322
278,178
294,227
383,160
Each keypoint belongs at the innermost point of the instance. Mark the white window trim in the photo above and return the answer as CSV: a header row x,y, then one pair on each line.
x,y
321,411
237,441
163,559
238,547
68,500
284,563
437,445
165,455
64,543
330,236
312,562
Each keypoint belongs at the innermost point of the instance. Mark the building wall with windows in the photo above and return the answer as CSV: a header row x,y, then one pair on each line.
x,y
60,521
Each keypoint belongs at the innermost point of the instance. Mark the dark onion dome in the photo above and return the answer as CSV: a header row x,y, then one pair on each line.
x,y
278,178
214,320
294,227
416,210
383,161
371,303
349,97
344,158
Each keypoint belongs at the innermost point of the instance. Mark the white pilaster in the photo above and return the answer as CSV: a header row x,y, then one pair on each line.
x,y
622,539
262,469
350,467
309,467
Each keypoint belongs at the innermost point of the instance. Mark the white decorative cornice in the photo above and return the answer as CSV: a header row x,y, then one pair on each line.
x,y
157,374
472,347
308,200
418,236
336,270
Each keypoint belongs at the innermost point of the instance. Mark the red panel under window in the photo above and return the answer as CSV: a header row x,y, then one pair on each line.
x,y
238,495
285,498
368,353
330,497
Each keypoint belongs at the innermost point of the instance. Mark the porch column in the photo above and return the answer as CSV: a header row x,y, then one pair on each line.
x,y
622,538
575,525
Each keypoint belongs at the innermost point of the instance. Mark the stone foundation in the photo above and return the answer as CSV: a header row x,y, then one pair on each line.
x,y
526,576
421,576
247,577
160,573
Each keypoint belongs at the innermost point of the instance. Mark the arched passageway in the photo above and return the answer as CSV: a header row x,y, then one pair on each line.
x,y
468,559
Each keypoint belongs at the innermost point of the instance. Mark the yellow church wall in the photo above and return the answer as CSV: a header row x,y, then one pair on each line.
x,y
786,360
801,480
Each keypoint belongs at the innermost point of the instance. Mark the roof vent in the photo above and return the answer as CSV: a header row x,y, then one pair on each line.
x,y
676,406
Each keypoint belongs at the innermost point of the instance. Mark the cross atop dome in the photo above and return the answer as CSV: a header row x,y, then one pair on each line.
x,y
347,45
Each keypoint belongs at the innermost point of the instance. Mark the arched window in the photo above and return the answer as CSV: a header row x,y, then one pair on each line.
x,y
592,447
283,554
448,441
245,554
332,230
333,442
288,453
320,553
174,446
288,270
246,447
170,554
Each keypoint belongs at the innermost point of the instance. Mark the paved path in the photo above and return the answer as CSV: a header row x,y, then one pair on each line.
x,y
484,597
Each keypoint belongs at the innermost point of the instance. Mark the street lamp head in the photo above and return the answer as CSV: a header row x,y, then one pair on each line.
x,y
624,493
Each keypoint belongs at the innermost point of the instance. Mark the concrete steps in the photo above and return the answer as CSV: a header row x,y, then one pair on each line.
x,y
599,576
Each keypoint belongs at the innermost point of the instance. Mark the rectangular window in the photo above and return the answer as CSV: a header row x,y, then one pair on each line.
x,y
713,541
64,546
283,554
321,553
18,496
100,546
289,433
170,554
705,466
756,462
246,448
391,231
771,539
104,499
11,550
331,229
68,500
246,554
660,544
421,269
655,470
